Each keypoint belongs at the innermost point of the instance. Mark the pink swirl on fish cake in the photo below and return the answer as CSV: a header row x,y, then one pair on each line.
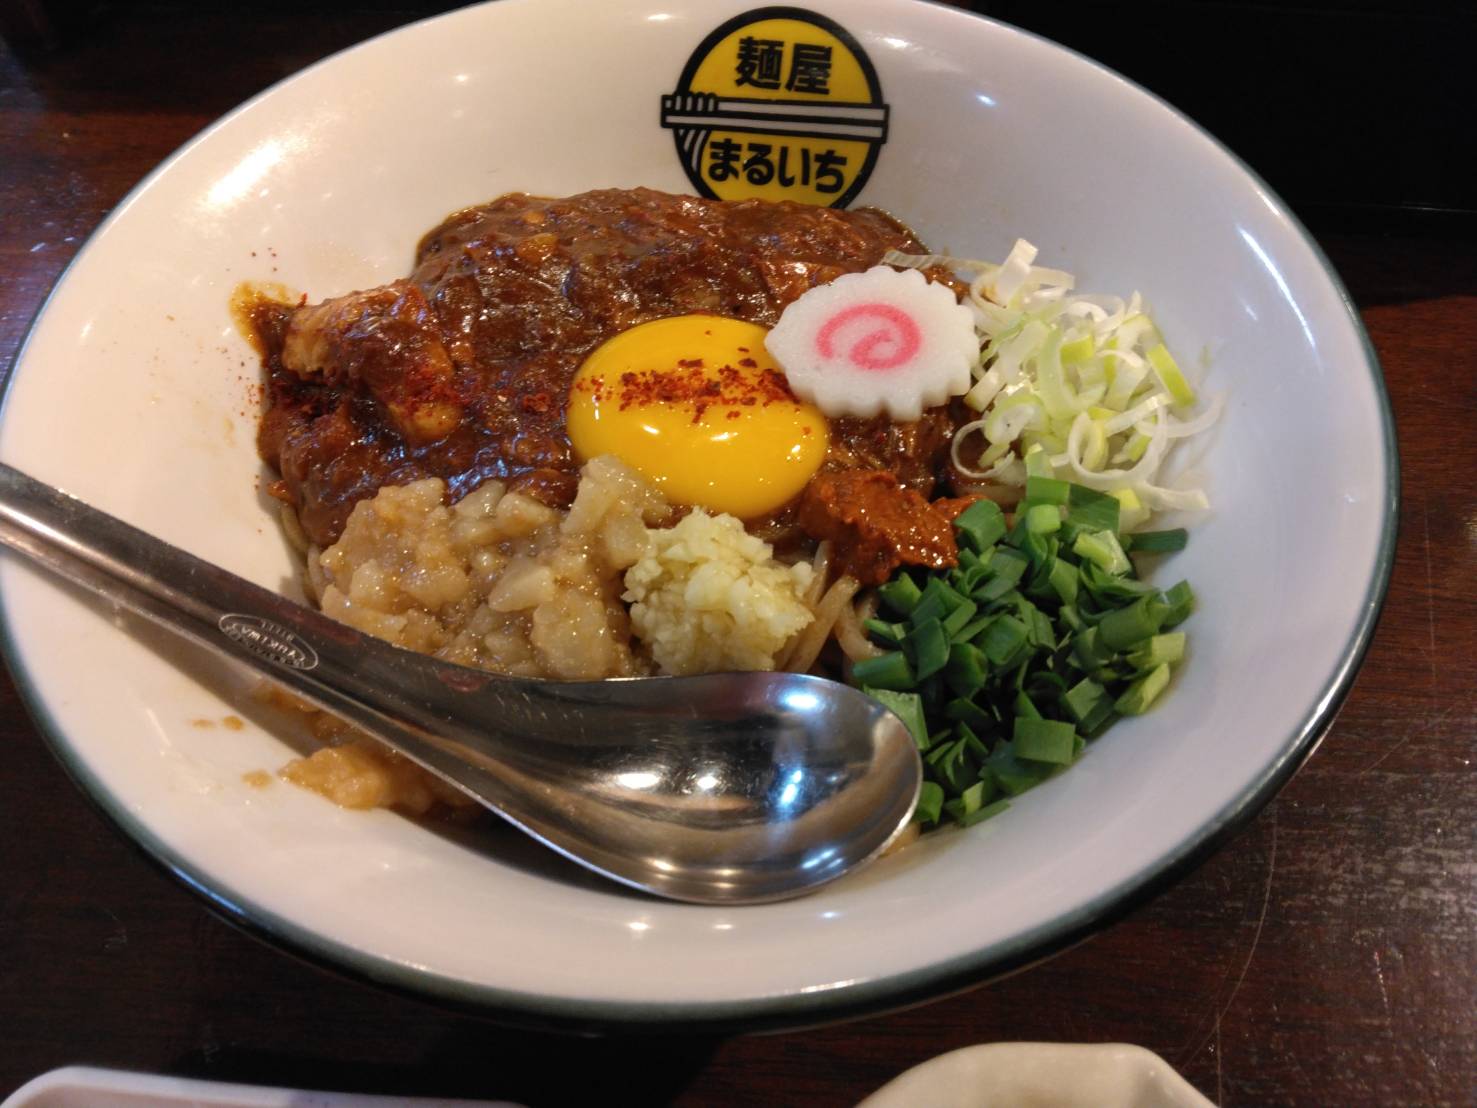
x,y
891,338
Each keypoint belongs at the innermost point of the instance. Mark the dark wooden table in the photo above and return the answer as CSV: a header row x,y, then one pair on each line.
x,y
1327,955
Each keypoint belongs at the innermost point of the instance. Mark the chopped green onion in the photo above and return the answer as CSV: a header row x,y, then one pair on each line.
x,y
970,631
1092,510
889,634
972,799
1043,519
1102,549
1083,698
1127,627
1045,686
967,670
1159,650
1090,654
1024,706
886,671
909,708
1012,775
1143,692
969,579
1007,567
955,765
1157,542
972,742
1041,633
930,803
1064,581
938,600
963,710
969,801
1039,639
1097,720
1181,601
1039,549
1113,588
1043,740
956,621
980,524
900,594
1046,490
984,813
1003,639
927,647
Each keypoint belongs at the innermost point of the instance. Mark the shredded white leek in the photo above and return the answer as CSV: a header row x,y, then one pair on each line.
x,y
1075,386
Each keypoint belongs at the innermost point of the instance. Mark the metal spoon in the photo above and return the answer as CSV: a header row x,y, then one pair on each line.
x,y
734,788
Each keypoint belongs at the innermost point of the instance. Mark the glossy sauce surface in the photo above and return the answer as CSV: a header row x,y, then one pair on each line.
x,y
877,524
463,371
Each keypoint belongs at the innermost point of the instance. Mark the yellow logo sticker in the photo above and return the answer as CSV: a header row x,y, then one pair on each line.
x,y
779,104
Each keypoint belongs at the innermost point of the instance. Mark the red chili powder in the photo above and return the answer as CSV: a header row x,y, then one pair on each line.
x,y
688,385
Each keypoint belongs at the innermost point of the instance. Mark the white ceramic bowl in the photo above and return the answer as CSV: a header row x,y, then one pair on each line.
x,y
135,392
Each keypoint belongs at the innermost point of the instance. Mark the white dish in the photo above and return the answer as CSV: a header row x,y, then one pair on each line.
x,y
1058,1075
134,392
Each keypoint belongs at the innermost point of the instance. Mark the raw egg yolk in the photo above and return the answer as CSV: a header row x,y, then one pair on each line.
x,y
696,405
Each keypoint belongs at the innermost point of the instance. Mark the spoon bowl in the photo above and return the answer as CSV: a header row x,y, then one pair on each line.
x,y
731,788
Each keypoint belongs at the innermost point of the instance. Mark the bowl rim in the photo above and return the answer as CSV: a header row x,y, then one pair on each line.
x,y
791,1011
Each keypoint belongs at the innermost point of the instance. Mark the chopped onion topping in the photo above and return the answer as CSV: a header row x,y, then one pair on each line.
x,y
1074,386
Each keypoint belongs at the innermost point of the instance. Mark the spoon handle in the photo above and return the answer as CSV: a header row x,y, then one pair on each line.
x,y
396,695
292,644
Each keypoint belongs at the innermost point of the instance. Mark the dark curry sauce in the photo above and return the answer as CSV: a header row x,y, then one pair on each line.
x,y
463,370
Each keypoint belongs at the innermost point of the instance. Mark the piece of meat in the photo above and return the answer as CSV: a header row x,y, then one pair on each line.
x,y
917,454
386,341
463,371
876,524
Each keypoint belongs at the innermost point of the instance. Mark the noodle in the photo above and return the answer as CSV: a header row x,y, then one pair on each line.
x,y
850,634
315,580
808,647
293,529
820,570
